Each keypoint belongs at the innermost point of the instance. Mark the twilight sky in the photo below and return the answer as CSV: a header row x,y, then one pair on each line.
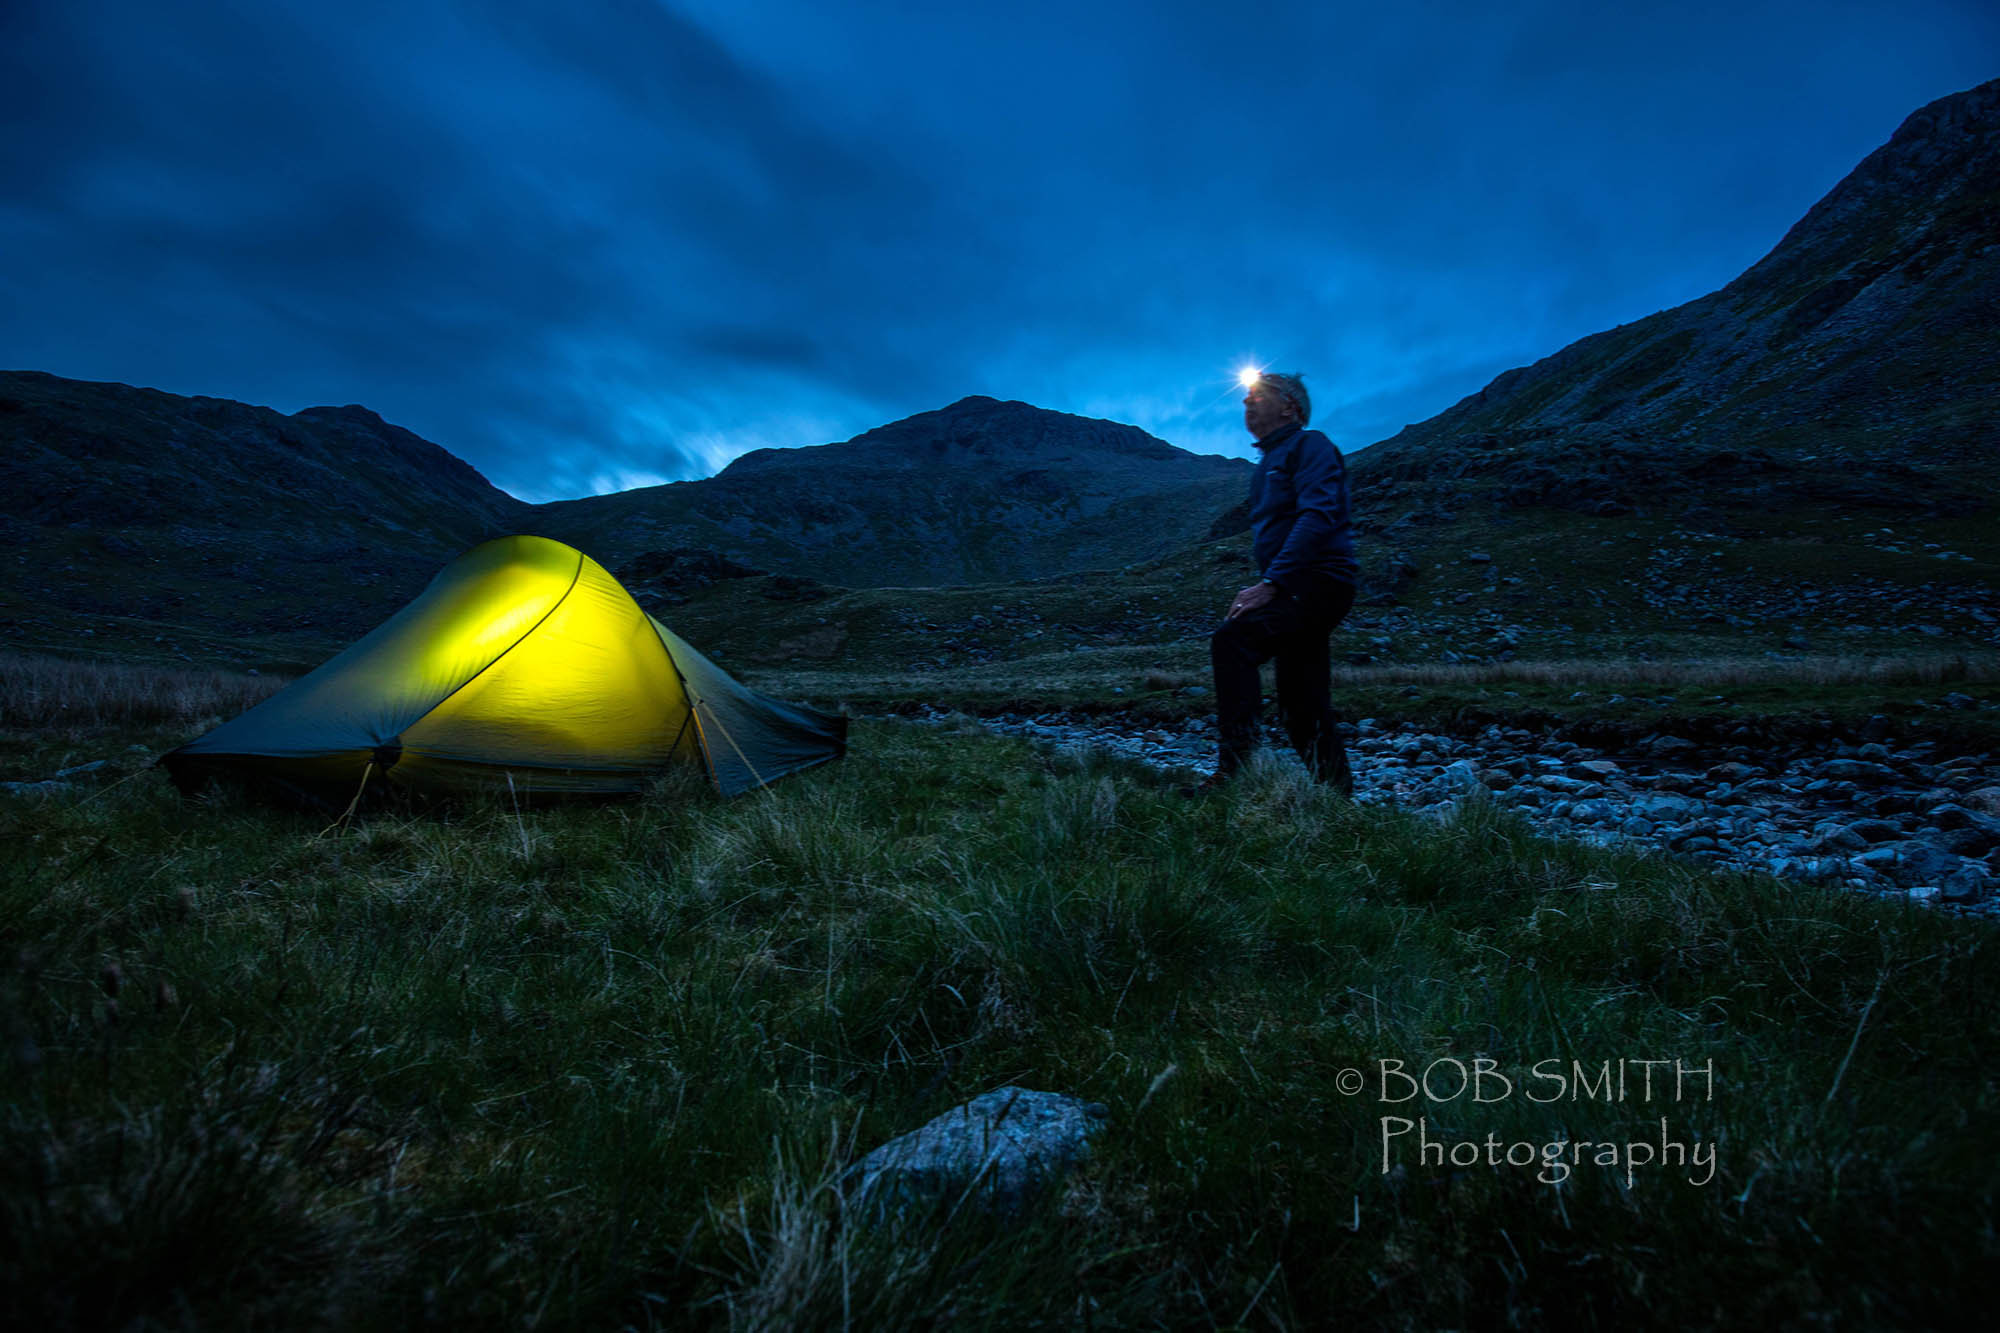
x,y
593,244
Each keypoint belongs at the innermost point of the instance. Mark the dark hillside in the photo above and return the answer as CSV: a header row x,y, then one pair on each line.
x,y
182,524
1855,369
980,491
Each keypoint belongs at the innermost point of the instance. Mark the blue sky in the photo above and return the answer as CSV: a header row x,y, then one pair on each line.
x,y
592,244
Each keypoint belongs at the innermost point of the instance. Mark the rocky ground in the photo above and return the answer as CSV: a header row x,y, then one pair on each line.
x,y
1908,822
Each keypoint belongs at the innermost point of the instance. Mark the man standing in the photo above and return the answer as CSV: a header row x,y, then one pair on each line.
x,y
1303,547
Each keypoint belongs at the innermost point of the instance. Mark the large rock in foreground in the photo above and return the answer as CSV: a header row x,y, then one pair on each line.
x,y
1001,1148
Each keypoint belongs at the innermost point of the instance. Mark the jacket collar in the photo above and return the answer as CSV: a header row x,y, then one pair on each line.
x,y
1279,436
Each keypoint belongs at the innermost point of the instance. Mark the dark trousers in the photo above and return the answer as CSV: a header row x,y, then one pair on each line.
x,y
1294,631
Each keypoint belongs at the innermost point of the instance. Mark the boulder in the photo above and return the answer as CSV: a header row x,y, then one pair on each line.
x,y
999,1148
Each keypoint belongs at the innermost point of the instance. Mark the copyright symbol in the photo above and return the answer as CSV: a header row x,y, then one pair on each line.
x,y
1348,1082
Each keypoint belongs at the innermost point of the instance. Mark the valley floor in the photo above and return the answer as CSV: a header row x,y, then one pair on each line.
x,y
604,1066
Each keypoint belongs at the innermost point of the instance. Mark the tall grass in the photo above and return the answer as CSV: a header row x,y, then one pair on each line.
x,y
40,691
603,1067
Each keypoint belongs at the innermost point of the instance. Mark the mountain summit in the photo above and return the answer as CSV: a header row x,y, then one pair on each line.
x,y
980,491
975,428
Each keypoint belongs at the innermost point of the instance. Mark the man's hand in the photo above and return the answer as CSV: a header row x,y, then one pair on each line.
x,y
1252,597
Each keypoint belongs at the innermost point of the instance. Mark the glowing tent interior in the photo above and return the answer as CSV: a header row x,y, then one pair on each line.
x,y
525,663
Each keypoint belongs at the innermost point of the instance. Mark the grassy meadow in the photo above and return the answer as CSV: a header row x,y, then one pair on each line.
x,y
601,1065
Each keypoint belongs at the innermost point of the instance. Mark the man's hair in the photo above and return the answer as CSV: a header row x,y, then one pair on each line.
x,y
1292,386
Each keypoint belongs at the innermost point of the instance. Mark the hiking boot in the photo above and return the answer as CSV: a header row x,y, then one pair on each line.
x,y
1339,775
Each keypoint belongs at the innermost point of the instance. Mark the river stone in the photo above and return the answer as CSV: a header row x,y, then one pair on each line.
x,y
1952,815
1002,1146
93,766
1665,809
1875,830
1909,862
1460,778
1970,883
1972,842
1692,831
1840,840
1856,770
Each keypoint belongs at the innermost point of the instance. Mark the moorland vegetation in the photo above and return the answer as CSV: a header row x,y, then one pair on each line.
x,y
600,1066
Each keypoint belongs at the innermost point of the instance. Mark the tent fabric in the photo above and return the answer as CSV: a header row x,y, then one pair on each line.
x,y
524,663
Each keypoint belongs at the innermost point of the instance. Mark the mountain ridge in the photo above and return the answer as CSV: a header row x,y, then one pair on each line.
x,y
93,442
981,490
1869,328
189,521
1762,436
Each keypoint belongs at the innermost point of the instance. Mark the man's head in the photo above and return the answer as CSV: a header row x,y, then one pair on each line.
x,y
1276,399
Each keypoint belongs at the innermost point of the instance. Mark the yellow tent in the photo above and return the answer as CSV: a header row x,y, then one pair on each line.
x,y
524,661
